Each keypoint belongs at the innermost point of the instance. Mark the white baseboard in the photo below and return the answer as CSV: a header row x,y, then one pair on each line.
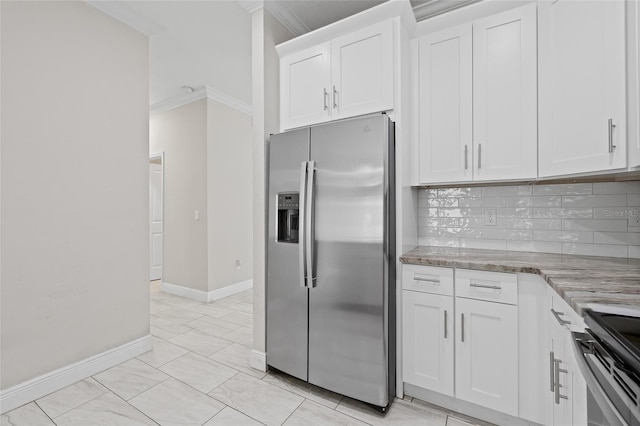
x,y
38,387
258,360
203,296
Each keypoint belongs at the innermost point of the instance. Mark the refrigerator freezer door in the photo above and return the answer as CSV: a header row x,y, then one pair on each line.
x,y
347,338
287,299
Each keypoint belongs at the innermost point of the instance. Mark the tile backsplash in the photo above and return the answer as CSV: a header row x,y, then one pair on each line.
x,y
595,219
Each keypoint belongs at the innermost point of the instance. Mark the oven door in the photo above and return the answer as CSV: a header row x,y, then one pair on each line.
x,y
613,395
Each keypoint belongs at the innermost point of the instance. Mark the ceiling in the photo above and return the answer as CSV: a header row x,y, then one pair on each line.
x,y
207,43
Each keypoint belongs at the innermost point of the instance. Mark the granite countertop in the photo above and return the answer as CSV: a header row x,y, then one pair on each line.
x,y
579,280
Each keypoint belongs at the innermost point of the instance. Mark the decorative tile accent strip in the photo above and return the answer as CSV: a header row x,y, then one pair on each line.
x,y
585,218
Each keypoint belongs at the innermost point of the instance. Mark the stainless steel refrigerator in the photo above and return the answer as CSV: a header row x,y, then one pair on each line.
x,y
331,257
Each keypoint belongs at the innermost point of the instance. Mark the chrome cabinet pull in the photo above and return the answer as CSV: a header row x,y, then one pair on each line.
x,y
466,157
558,315
335,97
479,155
611,127
552,371
302,224
445,324
429,280
462,327
324,97
492,287
558,370
310,237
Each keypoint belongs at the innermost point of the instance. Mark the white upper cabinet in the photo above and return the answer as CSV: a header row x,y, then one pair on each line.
x,y
477,105
445,105
505,95
582,86
344,77
362,71
305,78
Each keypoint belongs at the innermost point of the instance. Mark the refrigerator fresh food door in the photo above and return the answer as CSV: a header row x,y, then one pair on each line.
x,y
347,330
287,306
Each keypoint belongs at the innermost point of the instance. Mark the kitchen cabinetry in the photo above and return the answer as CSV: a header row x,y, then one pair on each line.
x,y
567,397
428,336
477,105
485,319
344,77
487,339
582,87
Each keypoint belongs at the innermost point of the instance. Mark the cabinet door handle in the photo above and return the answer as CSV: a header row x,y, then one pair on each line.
x,y
325,95
492,287
335,97
611,127
462,327
558,370
479,155
429,280
558,315
445,324
552,371
466,157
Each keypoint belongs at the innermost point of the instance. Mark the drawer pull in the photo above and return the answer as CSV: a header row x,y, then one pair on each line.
x,y
492,287
558,315
428,280
462,328
445,324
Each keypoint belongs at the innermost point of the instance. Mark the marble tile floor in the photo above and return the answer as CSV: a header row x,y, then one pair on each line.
x,y
198,373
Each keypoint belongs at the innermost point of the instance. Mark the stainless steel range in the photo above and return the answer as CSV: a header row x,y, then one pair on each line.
x,y
609,357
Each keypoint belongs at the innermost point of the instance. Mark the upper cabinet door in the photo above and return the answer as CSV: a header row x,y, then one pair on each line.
x,y
505,95
362,71
305,84
444,114
582,86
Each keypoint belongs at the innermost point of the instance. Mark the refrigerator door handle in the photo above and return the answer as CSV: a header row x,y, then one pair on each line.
x,y
302,224
310,225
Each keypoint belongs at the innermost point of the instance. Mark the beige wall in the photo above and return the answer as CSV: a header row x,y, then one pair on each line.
x,y
74,186
229,195
181,134
266,34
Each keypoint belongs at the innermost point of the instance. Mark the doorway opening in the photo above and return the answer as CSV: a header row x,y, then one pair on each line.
x,y
156,216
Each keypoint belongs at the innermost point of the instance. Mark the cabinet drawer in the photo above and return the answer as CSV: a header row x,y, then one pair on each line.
x,y
427,279
489,286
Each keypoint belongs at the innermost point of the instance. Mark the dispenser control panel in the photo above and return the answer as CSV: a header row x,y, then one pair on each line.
x,y
287,217
288,201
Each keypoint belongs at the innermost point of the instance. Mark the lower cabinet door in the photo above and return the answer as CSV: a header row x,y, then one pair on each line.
x,y
428,338
487,354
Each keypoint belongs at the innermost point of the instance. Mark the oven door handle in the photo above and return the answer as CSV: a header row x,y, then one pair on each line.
x,y
582,348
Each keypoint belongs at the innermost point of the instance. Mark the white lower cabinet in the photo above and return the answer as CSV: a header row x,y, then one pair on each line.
x,y
463,347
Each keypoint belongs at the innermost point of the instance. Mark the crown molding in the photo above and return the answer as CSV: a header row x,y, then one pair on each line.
x,y
433,8
125,14
283,14
251,5
203,92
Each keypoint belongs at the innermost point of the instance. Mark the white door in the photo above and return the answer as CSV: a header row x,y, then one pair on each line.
x,y
362,71
487,354
505,125
305,85
428,341
444,110
155,221
582,86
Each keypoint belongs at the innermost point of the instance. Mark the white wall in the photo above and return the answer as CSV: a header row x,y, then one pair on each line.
x,y
229,201
266,34
74,169
181,134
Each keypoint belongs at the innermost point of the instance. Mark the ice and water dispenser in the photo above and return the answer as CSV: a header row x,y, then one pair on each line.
x,y
287,226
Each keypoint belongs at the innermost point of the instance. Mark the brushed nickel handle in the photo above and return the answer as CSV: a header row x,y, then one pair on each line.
x,y
479,155
310,227
335,97
462,327
302,224
552,371
611,127
558,370
492,287
325,95
466,157
558,315
429,280
445,324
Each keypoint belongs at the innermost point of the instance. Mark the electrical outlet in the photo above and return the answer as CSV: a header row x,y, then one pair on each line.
x,y
238,263
634,221
490,217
